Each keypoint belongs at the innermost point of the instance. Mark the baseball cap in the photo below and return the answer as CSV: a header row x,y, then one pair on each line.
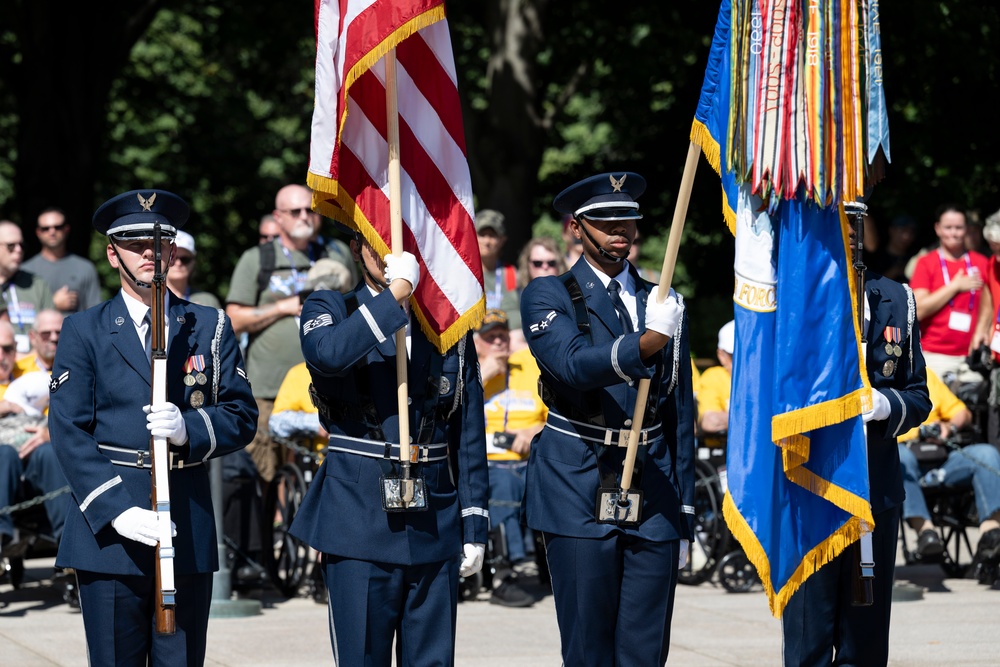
x,y
727,337
490,219
494,319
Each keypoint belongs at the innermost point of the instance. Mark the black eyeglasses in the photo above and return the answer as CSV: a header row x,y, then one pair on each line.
x,y
267,238
184,260
15,244
46,335
295,212
8,349
53,228
547,263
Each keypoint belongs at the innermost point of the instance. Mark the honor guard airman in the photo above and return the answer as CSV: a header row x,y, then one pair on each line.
x,y
595,332
102,420
825,622
392,559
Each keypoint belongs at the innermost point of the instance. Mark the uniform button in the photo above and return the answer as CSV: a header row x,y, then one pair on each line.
x,y
631,384
628,422
409,400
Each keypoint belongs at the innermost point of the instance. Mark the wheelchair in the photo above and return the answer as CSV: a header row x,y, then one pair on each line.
x,y
953,512
714,553
295,568
33,539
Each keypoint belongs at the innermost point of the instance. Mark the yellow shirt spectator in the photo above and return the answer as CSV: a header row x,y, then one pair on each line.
x,y
294,415
512,402
944,405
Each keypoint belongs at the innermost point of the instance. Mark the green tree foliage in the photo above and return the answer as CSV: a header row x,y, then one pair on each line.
x,y
213,100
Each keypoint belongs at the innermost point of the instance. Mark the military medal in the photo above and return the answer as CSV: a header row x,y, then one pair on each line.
x,y
194,367
888,367
893,336
198,398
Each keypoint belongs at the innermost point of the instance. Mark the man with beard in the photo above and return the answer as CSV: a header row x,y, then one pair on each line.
x,y
264,301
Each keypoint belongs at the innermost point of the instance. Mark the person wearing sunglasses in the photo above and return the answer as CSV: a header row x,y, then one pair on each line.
x,y
73,279
23,294
30,465
539,257
182,270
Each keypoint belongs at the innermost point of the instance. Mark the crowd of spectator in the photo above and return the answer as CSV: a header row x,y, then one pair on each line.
x,y
955,282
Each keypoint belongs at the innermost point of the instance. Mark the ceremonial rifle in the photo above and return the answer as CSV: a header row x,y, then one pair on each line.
x,y
160,462
864,560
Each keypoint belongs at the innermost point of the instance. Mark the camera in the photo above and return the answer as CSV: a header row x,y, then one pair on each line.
x,y
503,440
930,431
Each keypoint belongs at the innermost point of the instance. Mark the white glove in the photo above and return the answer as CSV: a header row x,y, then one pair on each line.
x,y
472,560
164,420
880,408
663,317
140,525
404,267
682,558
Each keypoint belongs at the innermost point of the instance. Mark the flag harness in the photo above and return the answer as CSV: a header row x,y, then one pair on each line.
x,y
365,413
613,505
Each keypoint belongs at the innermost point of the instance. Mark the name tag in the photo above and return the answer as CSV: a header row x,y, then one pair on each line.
x,y
960,322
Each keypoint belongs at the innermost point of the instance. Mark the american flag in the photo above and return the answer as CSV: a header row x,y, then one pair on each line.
x,y
349,154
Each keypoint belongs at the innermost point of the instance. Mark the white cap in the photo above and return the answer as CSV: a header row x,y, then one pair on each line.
x,y
727,337
186,241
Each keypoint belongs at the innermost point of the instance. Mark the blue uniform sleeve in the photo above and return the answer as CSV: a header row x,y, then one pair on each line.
x,y
683,398
95,483
467,438
333,342
550,327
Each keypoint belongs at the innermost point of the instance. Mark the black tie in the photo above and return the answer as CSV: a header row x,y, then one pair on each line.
x,y
623,317
147,342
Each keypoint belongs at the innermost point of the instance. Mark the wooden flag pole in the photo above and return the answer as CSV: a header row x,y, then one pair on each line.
x,y
666,276
396,238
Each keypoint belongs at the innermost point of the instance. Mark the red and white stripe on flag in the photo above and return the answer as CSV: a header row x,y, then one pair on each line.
x,y
349,155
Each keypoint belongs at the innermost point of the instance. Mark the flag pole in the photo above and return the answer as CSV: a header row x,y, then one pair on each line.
x,y
396,238
666,277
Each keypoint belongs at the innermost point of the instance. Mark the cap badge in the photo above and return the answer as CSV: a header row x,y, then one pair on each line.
x,y
146,204
617,184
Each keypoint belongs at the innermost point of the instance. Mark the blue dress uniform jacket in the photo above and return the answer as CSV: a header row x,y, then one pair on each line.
x,y
819,619
100,383
563,477
342,512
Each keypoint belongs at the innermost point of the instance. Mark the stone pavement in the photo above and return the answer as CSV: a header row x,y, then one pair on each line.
x,y
957,622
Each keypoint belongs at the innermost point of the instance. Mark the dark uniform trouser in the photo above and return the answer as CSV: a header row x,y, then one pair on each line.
x,y
614,599
371,602
819,619
119,623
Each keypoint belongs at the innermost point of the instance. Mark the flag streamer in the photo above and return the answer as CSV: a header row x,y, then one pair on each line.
x,y
785,120
349,161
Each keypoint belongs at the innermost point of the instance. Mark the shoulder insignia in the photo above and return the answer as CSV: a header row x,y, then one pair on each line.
x,y
544,323
55,383
324,320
